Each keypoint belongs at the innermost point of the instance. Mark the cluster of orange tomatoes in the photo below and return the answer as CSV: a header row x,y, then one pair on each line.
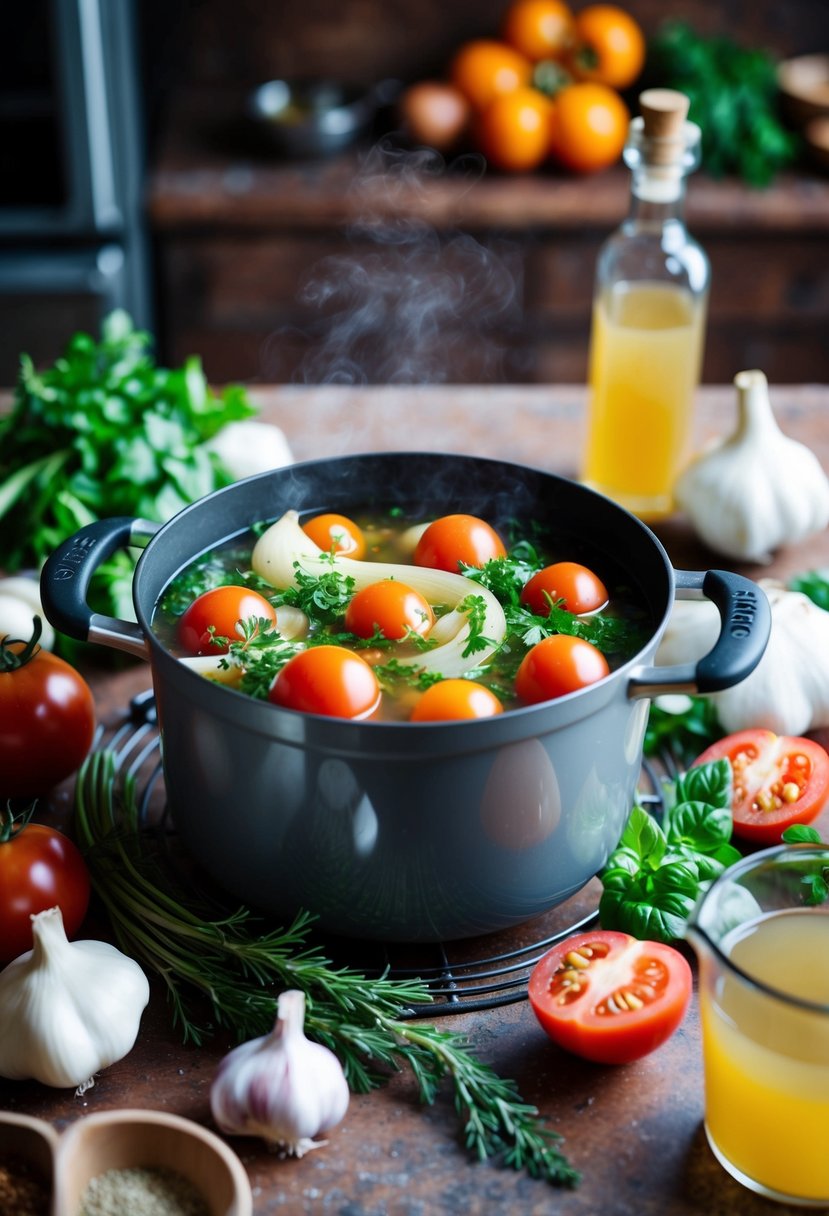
x,y
547,89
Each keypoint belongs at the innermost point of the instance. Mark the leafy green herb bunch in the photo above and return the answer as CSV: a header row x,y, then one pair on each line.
x,y
733,94
105,431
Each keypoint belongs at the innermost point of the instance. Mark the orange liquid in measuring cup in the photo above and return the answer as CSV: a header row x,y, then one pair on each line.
x,y
767,1062
645,356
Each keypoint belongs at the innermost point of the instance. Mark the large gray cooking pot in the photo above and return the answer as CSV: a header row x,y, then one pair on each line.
x,y
404,831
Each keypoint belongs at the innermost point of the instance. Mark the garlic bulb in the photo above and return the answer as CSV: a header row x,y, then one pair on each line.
x,y
758,489
248,447
788,691
282,1086
68,1009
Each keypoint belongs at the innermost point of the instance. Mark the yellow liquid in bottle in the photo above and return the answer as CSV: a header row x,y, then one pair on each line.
x,y
767,1063
645,357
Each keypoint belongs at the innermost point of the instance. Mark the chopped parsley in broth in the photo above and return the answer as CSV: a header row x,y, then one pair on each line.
x,y
218,614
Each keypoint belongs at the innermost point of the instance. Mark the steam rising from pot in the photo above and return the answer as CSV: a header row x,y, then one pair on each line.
x,y
405,302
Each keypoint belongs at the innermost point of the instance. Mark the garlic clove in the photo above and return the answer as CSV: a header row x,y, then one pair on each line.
x,y
788,691
68,1009
282,1087
757,490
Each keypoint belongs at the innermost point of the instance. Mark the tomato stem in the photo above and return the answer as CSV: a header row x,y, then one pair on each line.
x,y
13,660
10,824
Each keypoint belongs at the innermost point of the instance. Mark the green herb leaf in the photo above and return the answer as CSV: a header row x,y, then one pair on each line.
x,y
733,96
201,952
652,880
682,726
104,431
815,585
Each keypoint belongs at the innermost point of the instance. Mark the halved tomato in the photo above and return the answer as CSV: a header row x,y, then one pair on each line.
x,y
778,780
609,997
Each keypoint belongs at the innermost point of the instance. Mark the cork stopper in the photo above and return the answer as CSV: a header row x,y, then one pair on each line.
x,y
663,116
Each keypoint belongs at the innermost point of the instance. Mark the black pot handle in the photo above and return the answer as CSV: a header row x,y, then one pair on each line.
x,y
65,579
745,618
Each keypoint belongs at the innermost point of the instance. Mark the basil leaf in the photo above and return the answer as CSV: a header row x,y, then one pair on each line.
x,y
643,837
700,826
709,783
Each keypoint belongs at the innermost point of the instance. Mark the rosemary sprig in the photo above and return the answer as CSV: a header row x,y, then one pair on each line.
x,y
198,949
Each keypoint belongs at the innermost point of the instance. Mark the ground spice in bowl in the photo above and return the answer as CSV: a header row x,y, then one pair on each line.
x,y
23,1191
142,1191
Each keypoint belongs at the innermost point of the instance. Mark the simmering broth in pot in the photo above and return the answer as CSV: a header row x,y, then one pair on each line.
x,y
412,619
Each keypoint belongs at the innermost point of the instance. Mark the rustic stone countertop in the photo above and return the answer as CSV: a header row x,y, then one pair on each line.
x,y
635,1132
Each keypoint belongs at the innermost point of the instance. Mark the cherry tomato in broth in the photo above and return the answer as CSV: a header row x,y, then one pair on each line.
x,y
454,699
390,608
39,868
337,533
559,665
327,680
455,539
221,609
580,589
609,997
777,781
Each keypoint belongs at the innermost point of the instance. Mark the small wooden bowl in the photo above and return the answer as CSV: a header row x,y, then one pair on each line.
x,y
34,1142
124,1139
804,88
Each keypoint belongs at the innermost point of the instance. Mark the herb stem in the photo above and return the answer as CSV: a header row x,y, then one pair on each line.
x,y
240,972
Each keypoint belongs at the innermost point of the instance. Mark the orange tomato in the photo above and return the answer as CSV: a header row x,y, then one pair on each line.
x,y
557,665
388,607
514,130
590,127
336,532
539,29
453,699
327,680
484,68
579,588
453,539
216,614
609,46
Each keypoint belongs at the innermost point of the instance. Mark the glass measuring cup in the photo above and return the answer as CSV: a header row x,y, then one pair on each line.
x,y
761,933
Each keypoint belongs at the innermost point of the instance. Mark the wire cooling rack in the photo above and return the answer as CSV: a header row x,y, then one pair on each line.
x,y
461,976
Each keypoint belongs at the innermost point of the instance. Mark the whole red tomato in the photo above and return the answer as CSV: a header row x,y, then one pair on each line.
x,y
47,719
39,868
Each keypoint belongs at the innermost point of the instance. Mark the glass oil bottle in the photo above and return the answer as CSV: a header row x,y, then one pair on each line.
x,y
648,324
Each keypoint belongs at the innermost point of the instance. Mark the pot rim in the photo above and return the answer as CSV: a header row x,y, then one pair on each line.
x,y
468,734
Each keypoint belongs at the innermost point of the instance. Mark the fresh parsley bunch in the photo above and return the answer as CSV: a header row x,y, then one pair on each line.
x,y
655,876
103,432
733,93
